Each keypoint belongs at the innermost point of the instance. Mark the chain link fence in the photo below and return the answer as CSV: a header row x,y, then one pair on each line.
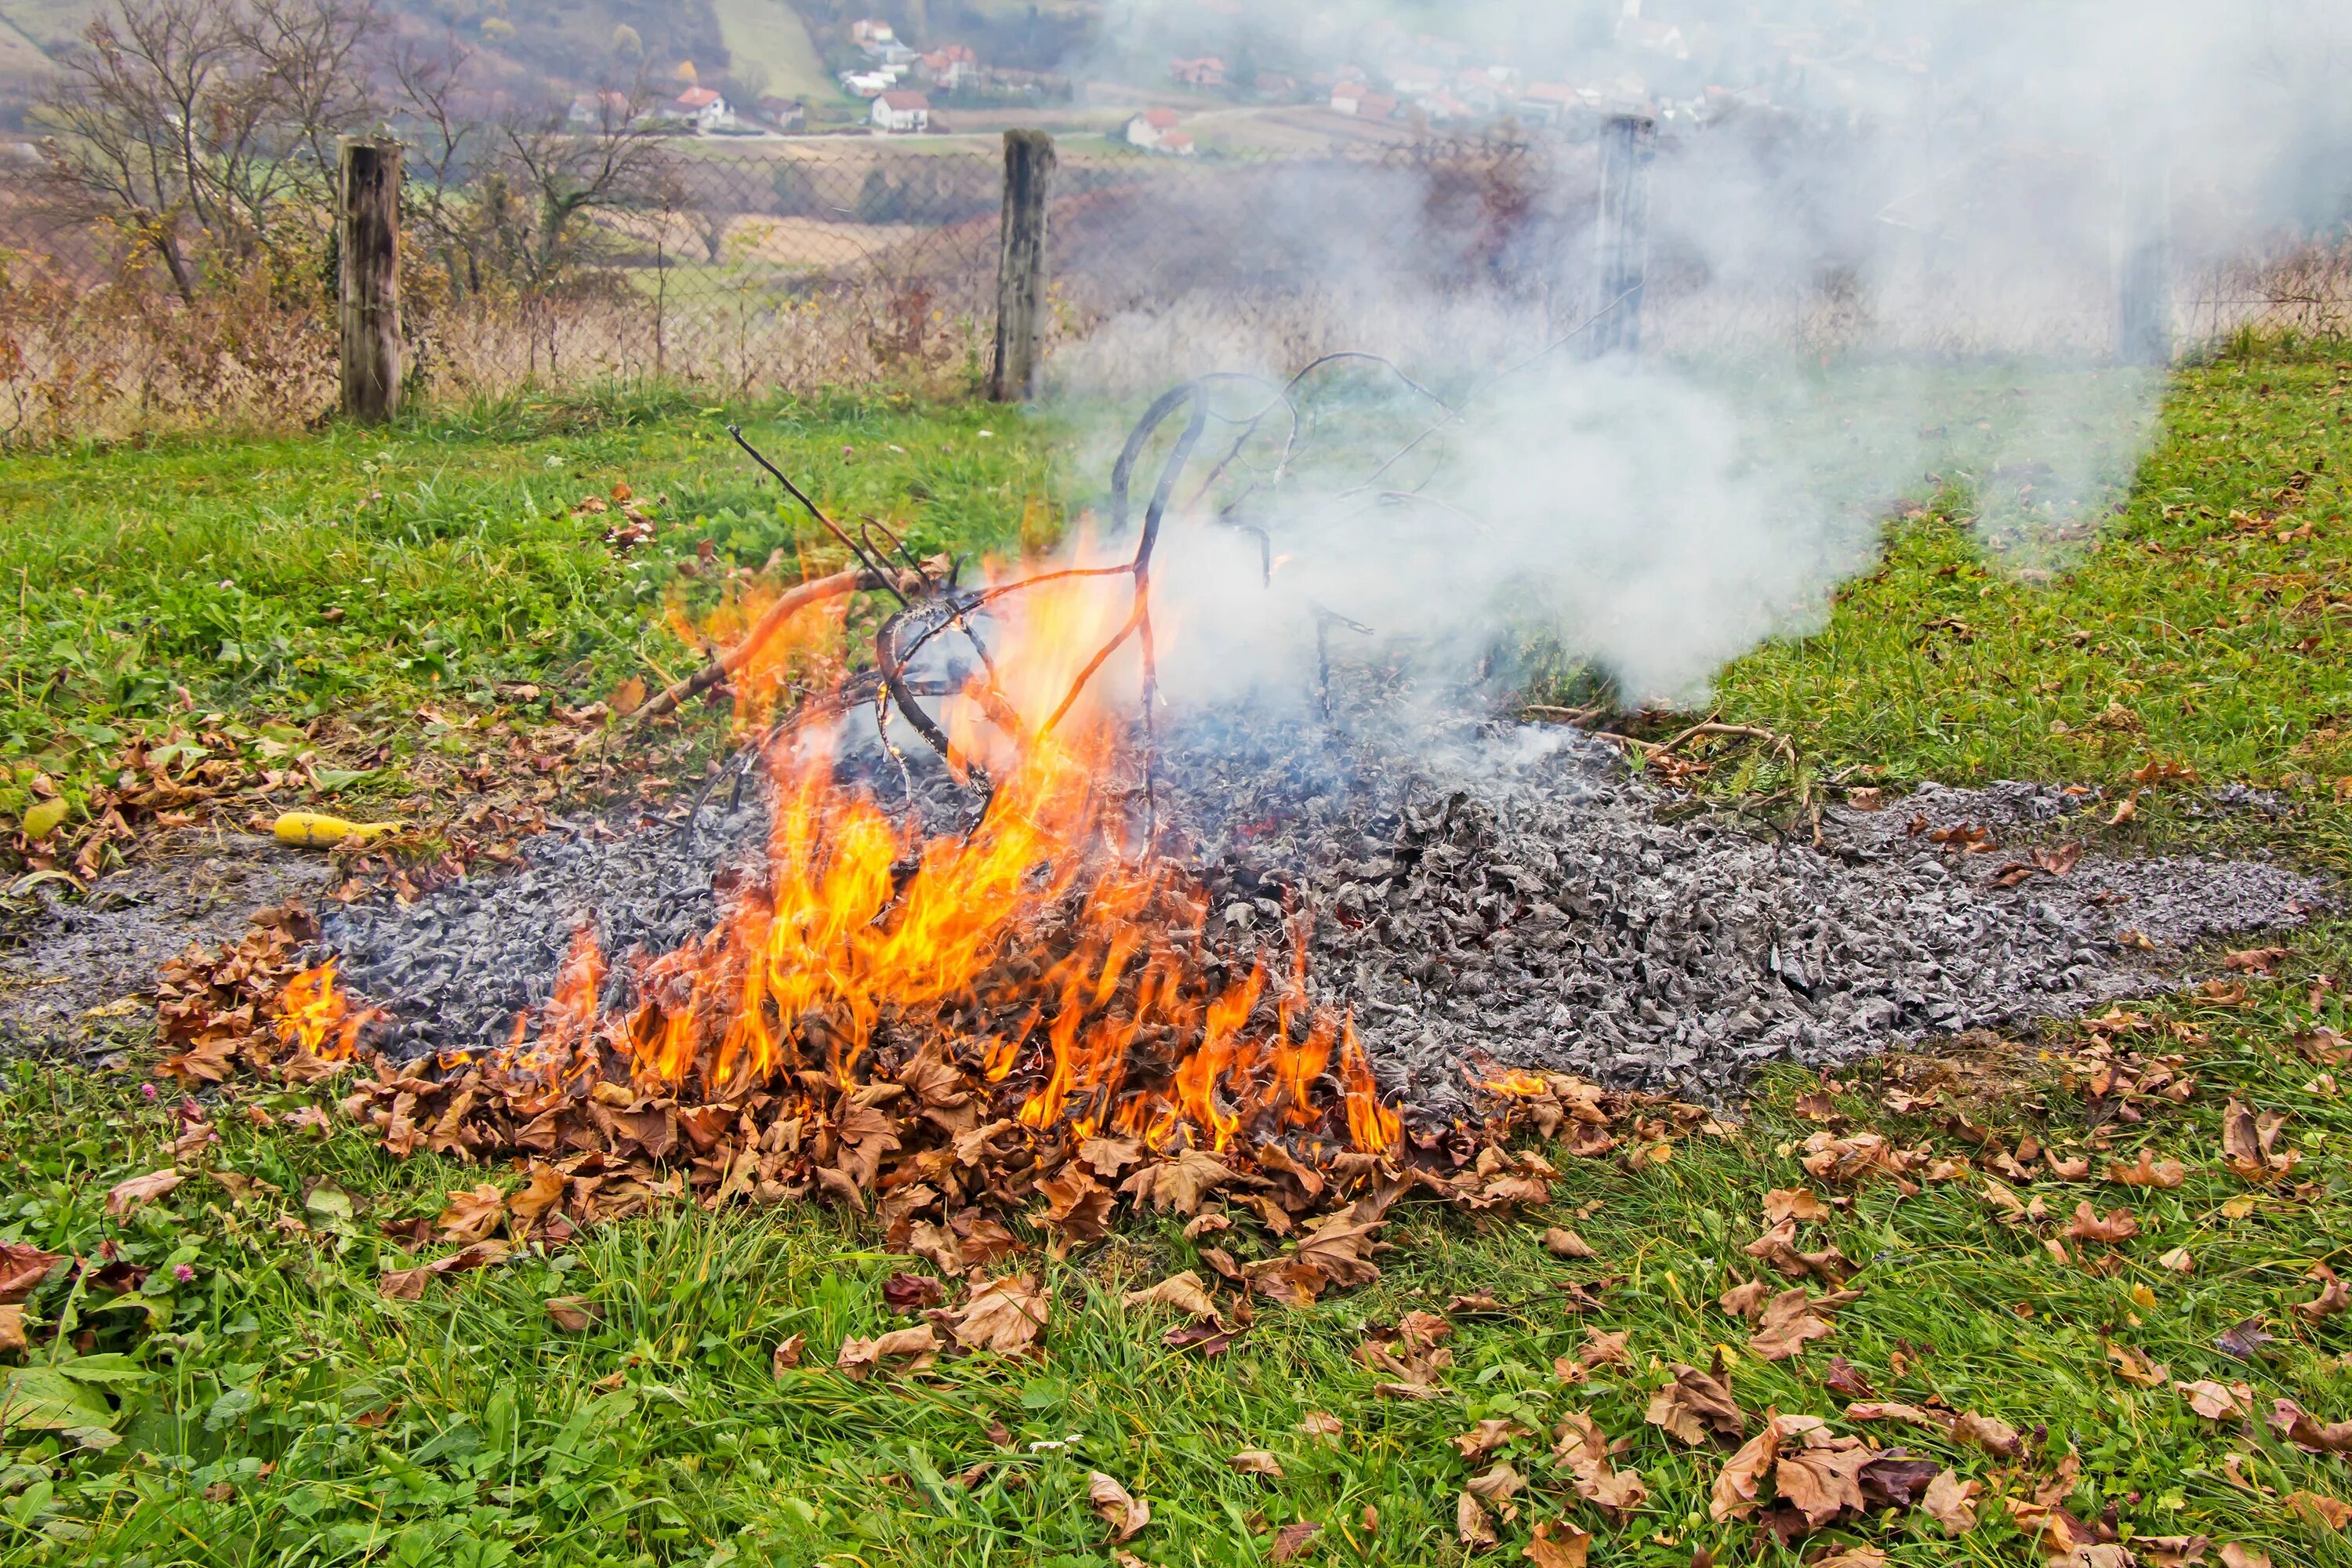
x,y
795,263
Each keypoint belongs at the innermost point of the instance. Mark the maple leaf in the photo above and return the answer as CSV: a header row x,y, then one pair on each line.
x,y
1605,1349
1472,1524
788,1355
860,1359
2113,1230
1583,1447
1126,1514
1184,1292
540,1193
1556,1543
913,1292
1695,1404
126,1195
409,1284
1845,1378
471,1215
2332,1298
2218,1401
1787,1324
2249,1140
2149,1173
1077,1204
1990,1433
2318,1508
22,1269
1793,1202
1498,1484
1255,1462
1951,1502
1005,1315
1321,1426
1179,1183
572,1315
1819,1475
1746,1299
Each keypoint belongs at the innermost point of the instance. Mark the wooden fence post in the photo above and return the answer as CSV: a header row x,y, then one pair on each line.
x,y
1622,232
369,195
2144,272
1021,268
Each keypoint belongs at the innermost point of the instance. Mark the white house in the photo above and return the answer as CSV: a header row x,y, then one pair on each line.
x,y
1148,128
868,84
601,109
1177,143
700,108
902,112
1348,96
872,33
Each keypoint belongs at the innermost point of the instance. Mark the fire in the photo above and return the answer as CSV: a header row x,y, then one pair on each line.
x,y
315,1015
1514,1082
1038,953
805,649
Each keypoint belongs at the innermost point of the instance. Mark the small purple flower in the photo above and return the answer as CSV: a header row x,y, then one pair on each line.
x,y
148,1090
183,1273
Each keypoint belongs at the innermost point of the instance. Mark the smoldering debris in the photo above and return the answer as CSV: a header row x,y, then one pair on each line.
x,y
1493,897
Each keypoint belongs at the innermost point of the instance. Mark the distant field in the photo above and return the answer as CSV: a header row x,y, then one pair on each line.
x,y
43,22
771,35
20,58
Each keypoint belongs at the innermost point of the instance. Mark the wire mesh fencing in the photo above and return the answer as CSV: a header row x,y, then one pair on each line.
x,y
580,257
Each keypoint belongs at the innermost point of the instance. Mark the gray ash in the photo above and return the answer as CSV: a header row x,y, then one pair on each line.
x,y
1493,896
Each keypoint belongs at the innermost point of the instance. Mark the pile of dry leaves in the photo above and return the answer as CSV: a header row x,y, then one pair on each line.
x,y
924,1146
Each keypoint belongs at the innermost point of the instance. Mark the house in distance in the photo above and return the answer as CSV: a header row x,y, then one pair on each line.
x,y
901,112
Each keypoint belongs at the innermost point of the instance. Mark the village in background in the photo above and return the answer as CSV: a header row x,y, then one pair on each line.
x,y
1182,81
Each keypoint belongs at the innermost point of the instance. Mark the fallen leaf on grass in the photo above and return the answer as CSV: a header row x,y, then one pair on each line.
x,y
22,1269
1604,1348
1787,1325
913,1292
1499,1482
123,1197
2172,1550
1472,1524
409,1284
1184,1292
2113,1230
1564,1243
2137,1369
1125,1513
1556,1543
472,1215
1318,1425
2237,1554
860,1359
1583,1447
2218,1401
2243,1341
2149,1173
1808,1466
1486,1437
2254,960
572,1315
1255,1462
1003,1315
1793,1202
2318,1508
1951,1502
1292,1538
1695,1404
2296,1425
2332,1298
2250,1139
1990,1433
788,1355
1911,1415
1747,1299
12,1327
1845,1378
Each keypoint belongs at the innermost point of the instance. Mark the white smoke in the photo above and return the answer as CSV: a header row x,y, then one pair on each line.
x,y
1897,258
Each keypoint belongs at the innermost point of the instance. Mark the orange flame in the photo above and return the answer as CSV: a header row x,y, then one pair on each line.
x,y
1034,950
315,1015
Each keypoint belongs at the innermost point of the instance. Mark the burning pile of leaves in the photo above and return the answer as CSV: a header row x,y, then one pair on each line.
x,y
920,1142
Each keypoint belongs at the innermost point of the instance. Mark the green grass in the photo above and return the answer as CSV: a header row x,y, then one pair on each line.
x,y
362,575
771,36
274,1408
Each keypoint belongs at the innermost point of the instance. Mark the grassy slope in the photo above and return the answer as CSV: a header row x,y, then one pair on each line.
x,y
772,35
281,1411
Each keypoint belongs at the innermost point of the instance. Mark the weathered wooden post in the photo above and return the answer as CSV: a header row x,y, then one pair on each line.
x,y
369,195
1627,141
1021,267
2144,270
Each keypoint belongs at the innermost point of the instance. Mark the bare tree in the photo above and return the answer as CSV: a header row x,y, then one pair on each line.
x,y
553,169
446,122
181,115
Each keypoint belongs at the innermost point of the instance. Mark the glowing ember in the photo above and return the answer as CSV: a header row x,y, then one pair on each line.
x,y
1032,952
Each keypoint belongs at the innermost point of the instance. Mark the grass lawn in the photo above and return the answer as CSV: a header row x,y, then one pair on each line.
x,y
252,1396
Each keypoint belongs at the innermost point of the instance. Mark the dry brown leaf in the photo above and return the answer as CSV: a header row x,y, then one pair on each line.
x,y
1499,1483
473,1214
1605,1349
540,1192
1884,1411
2332,1298
2137,1369
788,1355
1747,1299
1990,1433
1793,1202
1557,1543
2238,1555
1293,1539
1005,1315
1472,1524
1583,1447
2112,1230
1486,1437
12,1327
1320,1425
1564,1243
2149,1172
1184,1292
859,1359
2249,1141
1255,1462
1695,1404
1179,1183
1787,1324
125,1196
572,1315
1851,1557
2216,1401
2318,1508
1951,1502
1125,1514
22,1269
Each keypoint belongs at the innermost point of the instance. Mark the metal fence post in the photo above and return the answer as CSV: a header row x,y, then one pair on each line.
x,y
2144,272
1021,267
1627,141
370,278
